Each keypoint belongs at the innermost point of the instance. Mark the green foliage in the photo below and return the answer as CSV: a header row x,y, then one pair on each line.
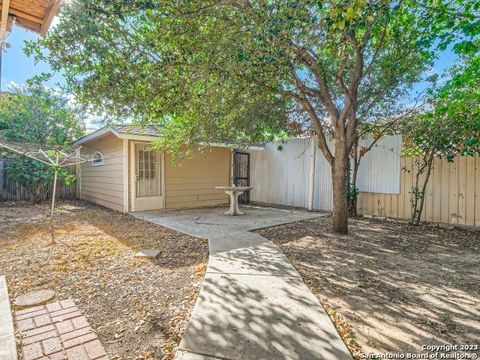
x,y
35,114
353,192
29,173
452,127
35,175
222,70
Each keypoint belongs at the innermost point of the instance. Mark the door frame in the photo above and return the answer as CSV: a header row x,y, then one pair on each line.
x,y
132,178
245,197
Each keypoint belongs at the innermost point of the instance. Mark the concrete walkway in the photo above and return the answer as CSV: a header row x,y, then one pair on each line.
x,y
8,347
253,304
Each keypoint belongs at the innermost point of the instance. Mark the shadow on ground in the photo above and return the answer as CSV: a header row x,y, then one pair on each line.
x,y
253,304
397,287
139,308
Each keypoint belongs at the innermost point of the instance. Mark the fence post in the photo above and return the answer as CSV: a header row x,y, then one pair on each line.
x,y
313,161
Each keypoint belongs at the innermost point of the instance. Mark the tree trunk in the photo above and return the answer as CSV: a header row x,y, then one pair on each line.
x,y
420,193
340,189
36,194
353,193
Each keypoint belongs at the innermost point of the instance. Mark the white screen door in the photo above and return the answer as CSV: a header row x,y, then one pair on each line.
x,y
147,178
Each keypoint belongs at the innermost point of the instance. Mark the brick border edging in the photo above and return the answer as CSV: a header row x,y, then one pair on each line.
x,y
57,331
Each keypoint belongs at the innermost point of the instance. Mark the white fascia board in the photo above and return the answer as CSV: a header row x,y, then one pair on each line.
x,y
96,134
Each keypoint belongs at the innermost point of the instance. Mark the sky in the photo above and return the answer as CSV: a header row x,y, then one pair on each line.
x,y
18,67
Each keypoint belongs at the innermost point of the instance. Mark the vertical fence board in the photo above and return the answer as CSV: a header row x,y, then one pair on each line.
x,y
429,197
401,197
445,194
469,191
394,212
453,193
436,179
408,186
462,187
388,205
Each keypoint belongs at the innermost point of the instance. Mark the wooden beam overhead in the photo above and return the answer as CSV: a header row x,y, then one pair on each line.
x,y
4,20
35,15
49,15
28,25
23,15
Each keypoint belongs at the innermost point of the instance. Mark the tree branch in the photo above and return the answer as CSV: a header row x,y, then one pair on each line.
x,y
317,124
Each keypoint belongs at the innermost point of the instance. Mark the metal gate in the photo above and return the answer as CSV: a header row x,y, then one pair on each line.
x,y
241,173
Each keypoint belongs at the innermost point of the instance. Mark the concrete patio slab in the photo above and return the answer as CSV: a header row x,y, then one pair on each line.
x,y
253,304
209,222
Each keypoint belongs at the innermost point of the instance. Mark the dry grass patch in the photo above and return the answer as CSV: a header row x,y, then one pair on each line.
x,y
388,286
139,308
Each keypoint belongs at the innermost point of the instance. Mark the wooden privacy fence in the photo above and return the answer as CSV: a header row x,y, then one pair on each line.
x,y
452,195
11,191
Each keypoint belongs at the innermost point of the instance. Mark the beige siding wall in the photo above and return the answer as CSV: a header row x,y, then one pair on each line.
x,y
104,184
452,196
192,183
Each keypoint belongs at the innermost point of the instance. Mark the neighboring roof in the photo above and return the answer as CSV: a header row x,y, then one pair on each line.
x,y
35,15
147,130
136,132
140,133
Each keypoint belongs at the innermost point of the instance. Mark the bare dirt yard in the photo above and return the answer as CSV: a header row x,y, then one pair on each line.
x,y
139,308
387,286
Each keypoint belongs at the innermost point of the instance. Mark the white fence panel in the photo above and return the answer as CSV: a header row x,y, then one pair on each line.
x,y
280,174
323,193
379,170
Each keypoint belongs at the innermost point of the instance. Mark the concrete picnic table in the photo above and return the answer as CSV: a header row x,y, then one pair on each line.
x,y
234,192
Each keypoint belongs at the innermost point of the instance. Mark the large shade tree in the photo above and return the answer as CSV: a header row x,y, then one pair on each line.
x,y
34,115
238,69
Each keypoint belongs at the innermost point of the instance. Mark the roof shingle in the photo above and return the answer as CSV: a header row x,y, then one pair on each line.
x,y
147,130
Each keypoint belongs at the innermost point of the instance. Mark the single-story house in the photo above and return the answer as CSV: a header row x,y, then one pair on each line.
x,y
127,175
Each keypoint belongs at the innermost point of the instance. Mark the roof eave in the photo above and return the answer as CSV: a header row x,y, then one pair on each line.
x,y
104,131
